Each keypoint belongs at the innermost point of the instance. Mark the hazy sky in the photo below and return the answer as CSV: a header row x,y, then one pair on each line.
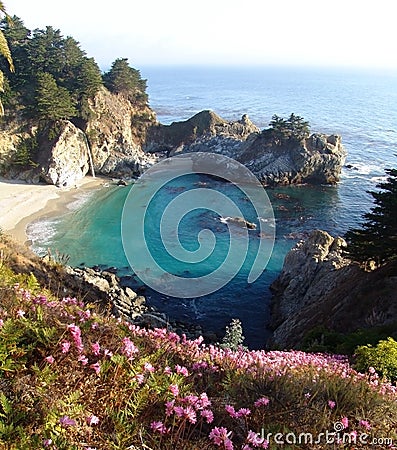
x,y
246,32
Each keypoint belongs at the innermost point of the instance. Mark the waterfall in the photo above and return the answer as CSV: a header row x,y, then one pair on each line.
x,y
90,156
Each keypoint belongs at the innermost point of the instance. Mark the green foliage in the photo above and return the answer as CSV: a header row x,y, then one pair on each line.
x,y
293,129
233,338
383,358
376,240
125,80
25,152
53,102
77,77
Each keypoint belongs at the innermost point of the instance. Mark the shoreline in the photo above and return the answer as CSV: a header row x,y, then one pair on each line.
x,y
22,203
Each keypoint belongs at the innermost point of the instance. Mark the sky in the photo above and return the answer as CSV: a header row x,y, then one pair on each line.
x,y
350,33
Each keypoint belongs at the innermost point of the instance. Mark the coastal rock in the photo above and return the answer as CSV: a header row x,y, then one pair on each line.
x,y
116,131
319,287
317,160
65,159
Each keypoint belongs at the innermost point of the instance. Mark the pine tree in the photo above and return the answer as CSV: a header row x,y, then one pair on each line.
x,y
6,53
376,240
53,102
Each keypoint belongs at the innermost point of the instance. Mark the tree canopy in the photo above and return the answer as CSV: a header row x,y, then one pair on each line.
x,y
295,129
6,53
376,240
125,80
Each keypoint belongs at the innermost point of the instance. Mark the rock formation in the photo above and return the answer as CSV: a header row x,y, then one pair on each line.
x,y
66,160
318,286
317,160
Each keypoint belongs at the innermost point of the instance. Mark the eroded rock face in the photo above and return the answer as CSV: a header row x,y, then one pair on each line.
x,y
316,160
66,161
116,131
319,287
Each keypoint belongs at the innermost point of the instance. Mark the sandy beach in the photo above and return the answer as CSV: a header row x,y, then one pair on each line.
x,y
22,203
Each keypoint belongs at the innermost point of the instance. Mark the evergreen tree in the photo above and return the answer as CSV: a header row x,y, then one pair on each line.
x,y
293,129
377,238
126,80
53,102
6,53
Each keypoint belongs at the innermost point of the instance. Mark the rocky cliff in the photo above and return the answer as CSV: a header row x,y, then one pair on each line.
x,y
318,159
318,286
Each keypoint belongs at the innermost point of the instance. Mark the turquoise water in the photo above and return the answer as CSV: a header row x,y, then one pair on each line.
x,y
362,107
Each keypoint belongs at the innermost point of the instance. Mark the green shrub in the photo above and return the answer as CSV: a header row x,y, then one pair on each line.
x,y
383,358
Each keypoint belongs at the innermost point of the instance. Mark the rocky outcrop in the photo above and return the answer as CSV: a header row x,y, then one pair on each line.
x,y
202,132
116,131
66,160
318,286
317,160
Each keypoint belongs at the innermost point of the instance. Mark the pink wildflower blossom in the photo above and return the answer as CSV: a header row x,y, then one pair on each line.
x,y
263,401
345,422
365,424
139,378
159,427
96,367
50,359
94,325
220,436
65,346
331,404
169,407
83,359
21,313
92,420
208,415
66,421
167,370
231,411
181,370
255,439
242,412
148,367
174,389
47,442
129,349
96,348
76,335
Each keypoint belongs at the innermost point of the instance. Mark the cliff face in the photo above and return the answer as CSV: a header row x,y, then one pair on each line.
x,y
318,286
116,132
318,159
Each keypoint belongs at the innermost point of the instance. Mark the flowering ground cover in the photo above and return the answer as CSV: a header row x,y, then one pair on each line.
x,y
71,378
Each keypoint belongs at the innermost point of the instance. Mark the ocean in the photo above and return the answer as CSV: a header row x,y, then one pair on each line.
x,y
361,106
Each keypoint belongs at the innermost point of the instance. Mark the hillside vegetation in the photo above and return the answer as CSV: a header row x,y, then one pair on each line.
x,y
73,378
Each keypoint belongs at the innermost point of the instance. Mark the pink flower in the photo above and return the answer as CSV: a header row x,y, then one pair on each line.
x,y
50,359
96,348
243,412
96,367
20,313
220,436
83,359
167,370
108,353
255,439
148,367
47,442
66,421
129,349
331,404
65,346
263,401
169,407
232,412
371,370
76,335
181,370
1,322
174,389
345,422
92,420
159,427
208,415
94,325
139,378
365,424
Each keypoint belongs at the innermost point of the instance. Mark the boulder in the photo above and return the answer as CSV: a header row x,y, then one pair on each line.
x,y
65,160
